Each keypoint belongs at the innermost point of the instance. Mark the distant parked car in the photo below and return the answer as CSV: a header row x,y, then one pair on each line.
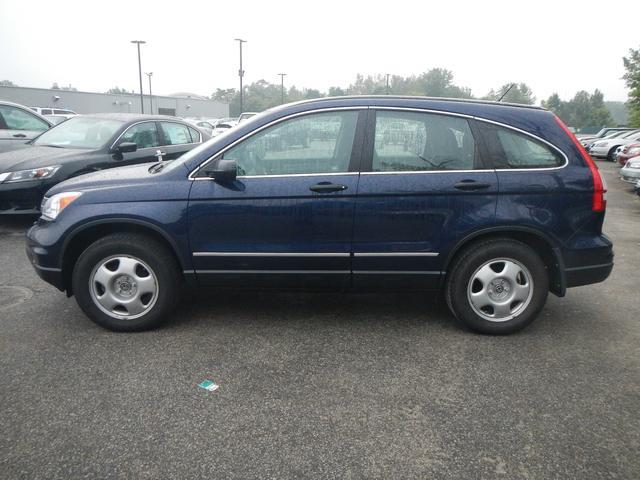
x,y
628,152
18,125
54,111
221,128
606,148
602,133
87,143
203,125
246,116
588,143
631,171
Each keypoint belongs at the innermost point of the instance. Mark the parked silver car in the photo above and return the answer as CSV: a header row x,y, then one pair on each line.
x,y
631,171
606,148
18,125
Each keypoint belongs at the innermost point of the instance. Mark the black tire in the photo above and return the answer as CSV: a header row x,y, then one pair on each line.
x,y
490,253
164,271
611,154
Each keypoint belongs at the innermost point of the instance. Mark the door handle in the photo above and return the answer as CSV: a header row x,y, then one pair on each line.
x,y
20,135
327,187
471,185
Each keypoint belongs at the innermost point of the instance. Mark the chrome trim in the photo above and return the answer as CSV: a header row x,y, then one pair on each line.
x,y
396,254
296,175
422,110
267,125
275,271
428,171
270,254
157,146
398,272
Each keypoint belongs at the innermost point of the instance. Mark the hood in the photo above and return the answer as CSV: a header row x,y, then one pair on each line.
x,y
39,156
111,178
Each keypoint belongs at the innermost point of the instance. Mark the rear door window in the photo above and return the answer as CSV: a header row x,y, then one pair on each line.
x,y
509,149
175,133
414,141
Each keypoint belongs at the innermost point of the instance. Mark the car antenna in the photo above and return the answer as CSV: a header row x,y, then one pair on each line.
x,y
508,90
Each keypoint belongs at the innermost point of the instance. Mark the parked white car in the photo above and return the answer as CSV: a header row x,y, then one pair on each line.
x,y
64,112
607,148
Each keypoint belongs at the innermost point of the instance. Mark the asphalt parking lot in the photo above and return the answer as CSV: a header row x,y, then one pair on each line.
x,y
323,385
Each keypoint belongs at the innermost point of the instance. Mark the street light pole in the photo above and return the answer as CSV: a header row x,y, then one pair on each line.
x,y
140,42
150,94
241,71
282,75
387,84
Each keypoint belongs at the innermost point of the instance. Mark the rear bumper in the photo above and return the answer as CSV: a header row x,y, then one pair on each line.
x,y
589,265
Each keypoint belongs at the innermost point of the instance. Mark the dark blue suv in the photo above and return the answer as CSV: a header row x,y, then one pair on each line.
x,y
493,204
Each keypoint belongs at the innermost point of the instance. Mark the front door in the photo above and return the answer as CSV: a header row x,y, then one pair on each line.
x,y
147,137
423,186
287,220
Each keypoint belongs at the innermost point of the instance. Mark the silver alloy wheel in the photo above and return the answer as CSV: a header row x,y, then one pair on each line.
x,y
123,287
500,289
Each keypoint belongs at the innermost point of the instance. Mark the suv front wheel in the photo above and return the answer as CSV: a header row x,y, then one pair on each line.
x,y
126,282
497,286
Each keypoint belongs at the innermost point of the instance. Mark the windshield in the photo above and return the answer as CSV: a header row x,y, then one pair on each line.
x,y
80,132
630,134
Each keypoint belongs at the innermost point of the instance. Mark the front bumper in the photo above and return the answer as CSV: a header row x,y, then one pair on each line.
x,y
630,175
52,275
22,197
600,152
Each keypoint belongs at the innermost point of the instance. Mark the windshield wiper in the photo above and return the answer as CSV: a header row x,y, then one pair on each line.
x,y
49,145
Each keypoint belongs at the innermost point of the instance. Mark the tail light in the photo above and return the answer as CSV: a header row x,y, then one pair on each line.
x,y
599,201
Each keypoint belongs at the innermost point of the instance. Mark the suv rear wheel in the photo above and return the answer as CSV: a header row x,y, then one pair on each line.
x,y
126,282
497,286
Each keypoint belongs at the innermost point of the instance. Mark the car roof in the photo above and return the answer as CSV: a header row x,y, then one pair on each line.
x,y
417,100
133,117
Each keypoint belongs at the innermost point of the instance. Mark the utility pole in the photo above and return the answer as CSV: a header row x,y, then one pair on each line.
x,y
140,42
150,94
387,84
241,71
282,75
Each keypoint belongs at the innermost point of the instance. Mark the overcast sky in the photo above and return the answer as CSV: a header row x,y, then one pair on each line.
x,y
553,46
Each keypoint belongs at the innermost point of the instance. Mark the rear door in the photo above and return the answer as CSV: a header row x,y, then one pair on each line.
x,y
423,187
288,218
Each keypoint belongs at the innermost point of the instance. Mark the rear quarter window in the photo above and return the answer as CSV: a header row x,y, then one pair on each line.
x,y
509,149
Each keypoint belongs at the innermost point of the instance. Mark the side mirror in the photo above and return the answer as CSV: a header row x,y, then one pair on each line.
x,y
223,171
125,147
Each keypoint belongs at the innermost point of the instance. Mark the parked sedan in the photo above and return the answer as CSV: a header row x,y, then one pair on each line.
x,y
85,144
630,173
19,124
606,148
628,152
588,142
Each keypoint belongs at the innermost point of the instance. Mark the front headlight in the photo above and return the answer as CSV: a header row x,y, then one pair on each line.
x,y
51,207
33,174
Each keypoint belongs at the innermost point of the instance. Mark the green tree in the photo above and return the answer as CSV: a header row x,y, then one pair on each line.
x,y
632,79
117,90
515,93
583,110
